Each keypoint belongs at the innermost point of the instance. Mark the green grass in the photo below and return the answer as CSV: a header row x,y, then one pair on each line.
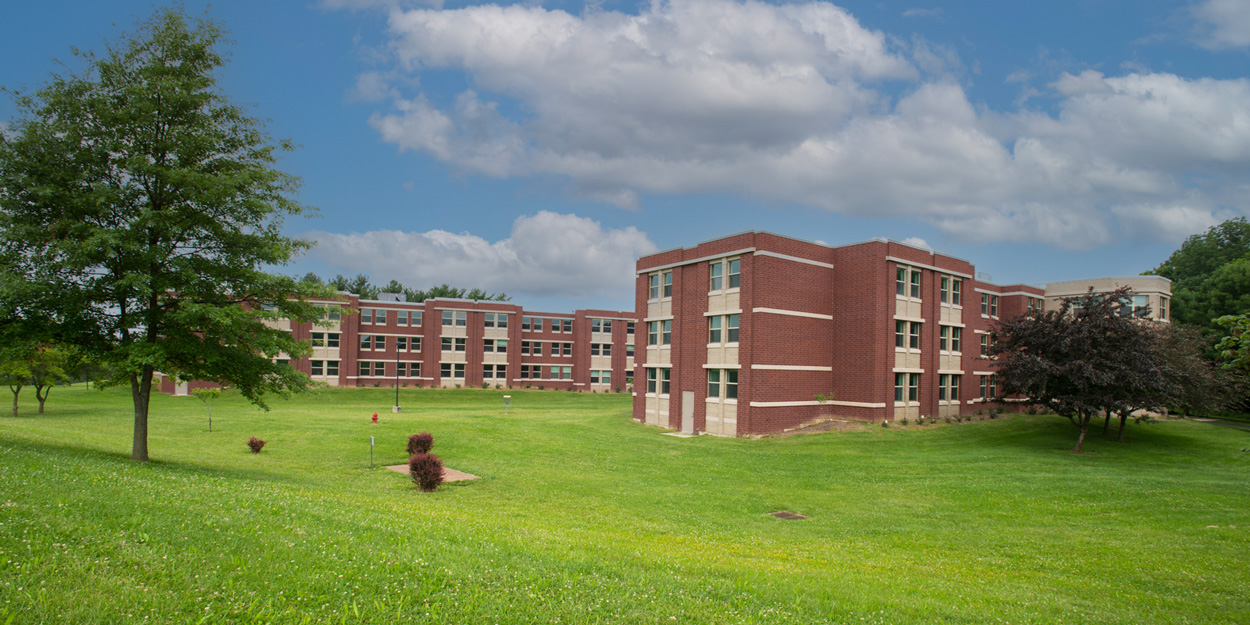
x,y
582,516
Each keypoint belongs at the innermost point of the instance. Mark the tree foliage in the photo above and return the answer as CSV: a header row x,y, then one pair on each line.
x,y
360,286
1083,359
140,212
1234,348
1210,274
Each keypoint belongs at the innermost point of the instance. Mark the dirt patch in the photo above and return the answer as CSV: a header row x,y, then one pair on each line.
x,y
787,515
449,475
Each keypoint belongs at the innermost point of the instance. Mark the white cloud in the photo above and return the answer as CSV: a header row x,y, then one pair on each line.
x,y
4,130
922,13
917,242
547,254
790,104
1224,23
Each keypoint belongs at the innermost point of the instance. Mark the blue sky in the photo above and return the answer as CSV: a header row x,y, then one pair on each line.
x,y
539,148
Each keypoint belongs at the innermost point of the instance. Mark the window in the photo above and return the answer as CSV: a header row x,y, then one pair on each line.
x,y
994,306
906,387
1141,305
451,369
725,274
401,369
907,334
332,367
494,372
989,387
417,316
660,332
561,373
416,343
330,312
714,329
454,318
948,387
379,369
907,282
379,317
600,377
601,325
401,343
525,371
667,278
567,325
414,369
653,286
629,327
496,320
566,349
1163,308
495,346
952,290
525,348
366,341
987,343
731,328
401,317
1033,304
722,383
658,380
325,339
365,368
527,323
366,315
600,349
949,338
316,367
629,350
451,344
629,377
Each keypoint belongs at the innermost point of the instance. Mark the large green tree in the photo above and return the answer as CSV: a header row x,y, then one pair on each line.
x,y
140,213
1210,274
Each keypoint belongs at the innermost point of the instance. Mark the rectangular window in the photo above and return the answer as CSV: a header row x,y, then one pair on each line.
x,y
957,291
330,312
1163,308
600,377
653,286
915,283
566,349
601,325
985,346
667,278
401,369
653,333
914,336
416,343
495,320
401,343
451,370
906,387
366,341
957,336
527,323
379,317
913,389
629,350
366,316
713,382
994,306
379,369
318,339
629,377
985,305
401,317
453,344
907,282
600,349
365,369
495,346
455,318
666,332
316,367
900,386
943,384
731,328
417,316
900,285
900,333
714,329
332,367
525,372
567,326
665,377
525,348
717,271
494,372
629,327
653,377
954,388
949,338
951,288
332,339
945,290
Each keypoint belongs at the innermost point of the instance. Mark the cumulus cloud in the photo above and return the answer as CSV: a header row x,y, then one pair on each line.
x,y
547,254
1223,23
796,103
917,242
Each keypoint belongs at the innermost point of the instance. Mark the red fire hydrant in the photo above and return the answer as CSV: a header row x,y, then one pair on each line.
x,y
375,417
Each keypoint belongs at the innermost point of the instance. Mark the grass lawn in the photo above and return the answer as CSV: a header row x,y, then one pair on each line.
x,y
583,516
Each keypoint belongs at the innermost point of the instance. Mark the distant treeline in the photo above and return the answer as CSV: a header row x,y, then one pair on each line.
x,y
361,286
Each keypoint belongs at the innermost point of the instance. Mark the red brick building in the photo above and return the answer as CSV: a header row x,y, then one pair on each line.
x,y
451,342
756,333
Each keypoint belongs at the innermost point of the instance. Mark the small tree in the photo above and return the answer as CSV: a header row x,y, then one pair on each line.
x,y
15,374
207,395
1086,358
426,471
47,369
420,443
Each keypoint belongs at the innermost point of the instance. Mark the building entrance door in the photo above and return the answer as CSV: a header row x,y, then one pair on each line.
x,y
687,412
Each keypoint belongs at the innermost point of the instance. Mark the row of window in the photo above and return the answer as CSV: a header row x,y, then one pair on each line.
x,y
721,383
723,274
907,387
325,339
378,316
989,305
952,291
374,342
536,349
537,324
907,282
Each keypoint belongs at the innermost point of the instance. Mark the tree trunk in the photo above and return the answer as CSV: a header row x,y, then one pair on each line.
x,y
42,397
1123,420
1084,430
141,391
1106,424
16,391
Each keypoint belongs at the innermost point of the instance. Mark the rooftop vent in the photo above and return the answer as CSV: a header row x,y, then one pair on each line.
x,y
392,297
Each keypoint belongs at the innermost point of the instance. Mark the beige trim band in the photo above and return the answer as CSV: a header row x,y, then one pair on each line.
x,y
792,313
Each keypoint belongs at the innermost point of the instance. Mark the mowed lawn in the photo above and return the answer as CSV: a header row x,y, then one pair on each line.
x,y
583,516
